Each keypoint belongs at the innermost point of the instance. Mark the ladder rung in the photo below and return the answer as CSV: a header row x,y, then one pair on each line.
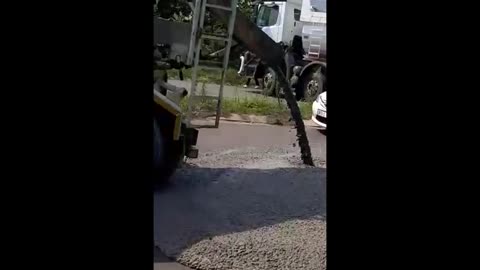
x,y
219,7
314,45
215,37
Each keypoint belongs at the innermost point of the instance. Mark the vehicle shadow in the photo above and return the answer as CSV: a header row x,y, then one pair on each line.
x,y
201,203
159,257
162,262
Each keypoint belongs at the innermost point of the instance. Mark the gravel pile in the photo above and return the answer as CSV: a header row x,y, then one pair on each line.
x,y
298,244
244,209
251,157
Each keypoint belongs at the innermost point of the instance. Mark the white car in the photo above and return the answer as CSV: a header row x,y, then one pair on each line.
x,y
319,110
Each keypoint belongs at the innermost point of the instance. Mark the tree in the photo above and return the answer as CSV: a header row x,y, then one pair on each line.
x,y
177,10
245,6
170,9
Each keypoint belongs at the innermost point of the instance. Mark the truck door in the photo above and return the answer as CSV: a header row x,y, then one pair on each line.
x,y
297,25
292,25
270,21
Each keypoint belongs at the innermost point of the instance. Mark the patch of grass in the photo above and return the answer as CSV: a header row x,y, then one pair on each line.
x,y
250,106
255,106
210,76
258,105
305,109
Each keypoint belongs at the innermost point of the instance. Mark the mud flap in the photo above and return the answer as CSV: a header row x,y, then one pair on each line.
x,y
191,136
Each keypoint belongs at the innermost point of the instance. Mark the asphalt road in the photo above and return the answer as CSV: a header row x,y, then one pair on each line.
x,y
232,135
162,262
245,195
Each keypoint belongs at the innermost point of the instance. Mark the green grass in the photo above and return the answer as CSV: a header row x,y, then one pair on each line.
x,y
251,106
258,105
305,109
210,76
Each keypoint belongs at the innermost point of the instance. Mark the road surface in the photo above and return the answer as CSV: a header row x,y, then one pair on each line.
x,y
246,203
161,262
230,135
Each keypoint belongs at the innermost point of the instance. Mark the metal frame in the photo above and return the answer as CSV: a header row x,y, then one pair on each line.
x,y
196,38
172,108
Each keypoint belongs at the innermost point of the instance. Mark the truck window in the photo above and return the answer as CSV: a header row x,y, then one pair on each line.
x,y
267,16
319,5
296,14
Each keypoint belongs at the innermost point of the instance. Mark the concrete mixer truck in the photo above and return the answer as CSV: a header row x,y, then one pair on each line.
x,y
300,27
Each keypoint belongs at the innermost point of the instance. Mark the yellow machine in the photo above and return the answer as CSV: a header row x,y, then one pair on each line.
x,y
172,139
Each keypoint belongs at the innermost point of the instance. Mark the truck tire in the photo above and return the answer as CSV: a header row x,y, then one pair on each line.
x,y
311,85
270,83
168,155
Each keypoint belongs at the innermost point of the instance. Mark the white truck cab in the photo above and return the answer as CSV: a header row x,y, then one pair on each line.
x,y
284,19
280,20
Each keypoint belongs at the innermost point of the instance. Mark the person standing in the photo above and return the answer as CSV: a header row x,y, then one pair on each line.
x,y
258,73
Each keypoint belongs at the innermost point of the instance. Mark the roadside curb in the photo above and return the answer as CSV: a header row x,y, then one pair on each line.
x,y
247,119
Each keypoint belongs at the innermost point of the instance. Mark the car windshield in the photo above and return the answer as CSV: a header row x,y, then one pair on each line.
x,y
319,5
267,15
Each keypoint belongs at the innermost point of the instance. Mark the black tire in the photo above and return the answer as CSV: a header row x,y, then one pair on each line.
x,y
157,146
168,153
311,85
270,83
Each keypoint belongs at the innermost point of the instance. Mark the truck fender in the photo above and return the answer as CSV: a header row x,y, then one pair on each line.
x,y
313,65
171,108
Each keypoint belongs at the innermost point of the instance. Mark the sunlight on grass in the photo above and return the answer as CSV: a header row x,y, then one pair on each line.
x,y
210,76
249,105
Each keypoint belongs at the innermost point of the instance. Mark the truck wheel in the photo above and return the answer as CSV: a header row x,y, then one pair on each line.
x,y
270,83
312,85
167,153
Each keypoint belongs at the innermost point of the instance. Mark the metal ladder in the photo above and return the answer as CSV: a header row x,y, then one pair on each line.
x,y
315,41
197,36
314,45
